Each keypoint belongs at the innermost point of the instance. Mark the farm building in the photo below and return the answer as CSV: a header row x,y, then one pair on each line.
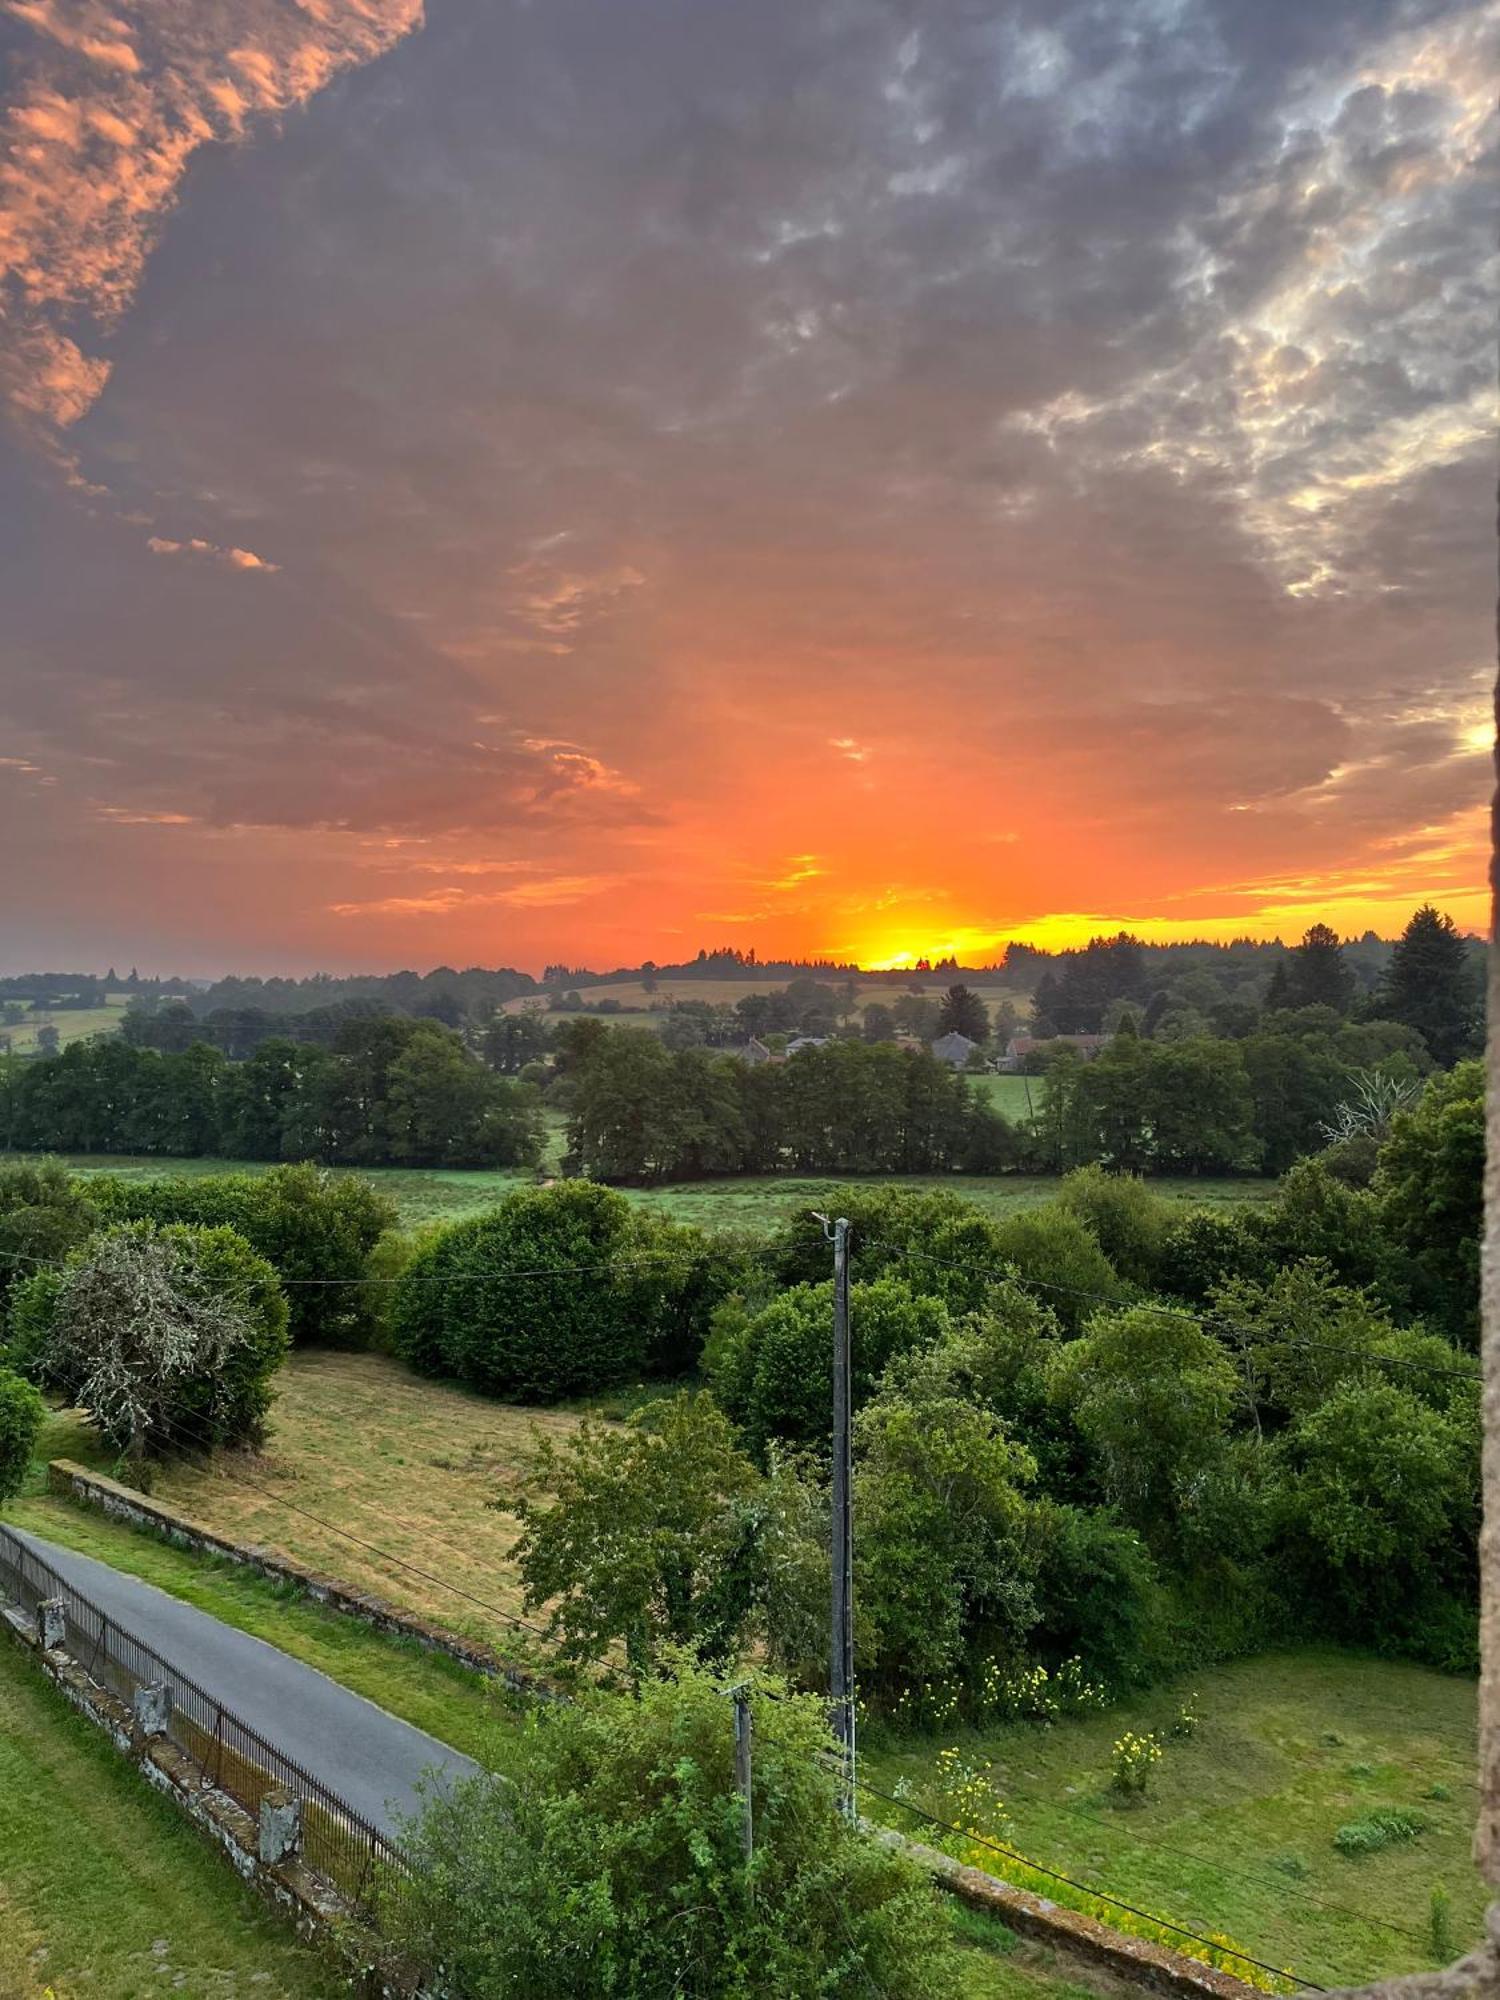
x,y
954,1049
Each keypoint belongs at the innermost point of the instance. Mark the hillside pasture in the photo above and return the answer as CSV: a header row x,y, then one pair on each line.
x,y
73,1024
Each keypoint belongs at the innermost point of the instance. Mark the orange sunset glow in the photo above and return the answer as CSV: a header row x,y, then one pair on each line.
x,y
578,483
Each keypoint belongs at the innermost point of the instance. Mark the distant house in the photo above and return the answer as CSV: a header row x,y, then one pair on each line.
x,y
954,1049
1019,1047
800,1042
756,1053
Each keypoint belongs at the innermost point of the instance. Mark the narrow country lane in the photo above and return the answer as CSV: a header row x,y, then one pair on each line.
x,y
370,1759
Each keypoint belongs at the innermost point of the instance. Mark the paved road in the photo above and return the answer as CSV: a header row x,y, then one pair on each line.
x,y
370,1759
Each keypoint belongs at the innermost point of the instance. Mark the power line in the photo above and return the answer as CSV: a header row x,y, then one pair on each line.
x,y
203,1442
1116,1902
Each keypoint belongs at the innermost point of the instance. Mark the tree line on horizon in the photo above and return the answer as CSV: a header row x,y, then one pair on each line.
x,y
1195,1081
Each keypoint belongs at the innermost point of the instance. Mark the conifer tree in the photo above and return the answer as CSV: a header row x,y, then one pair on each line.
x,y
1430,986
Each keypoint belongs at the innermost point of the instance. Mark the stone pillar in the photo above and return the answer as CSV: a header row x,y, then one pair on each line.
x,y
52,1623
280,1827
152,1706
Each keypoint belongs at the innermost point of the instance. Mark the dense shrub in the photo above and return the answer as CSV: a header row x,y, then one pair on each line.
x,y
773,1371
1098,1598
169,1338
1053,1250
555,1292
946,1550
1205,1248
1127,1221
606,1865
44,1213
1317,1215
21,1414
653,1540
1381,1502
1429,1192
1152,1394
315,1228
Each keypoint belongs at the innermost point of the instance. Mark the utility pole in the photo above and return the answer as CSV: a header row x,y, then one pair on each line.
x,y
841,1648
742,1730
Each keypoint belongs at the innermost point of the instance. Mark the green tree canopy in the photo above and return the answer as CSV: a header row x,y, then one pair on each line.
x,y
21,1413
1152,1394
773,1371
554,1292
606,1865
649,1539
1429,1192
168,1337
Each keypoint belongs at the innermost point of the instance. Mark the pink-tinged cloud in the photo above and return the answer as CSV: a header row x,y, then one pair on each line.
x,y
162,545
114,99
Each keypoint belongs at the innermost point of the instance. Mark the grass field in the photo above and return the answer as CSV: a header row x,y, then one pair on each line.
x,y
445,1194
725,992
73,1024
406,1464
1237,1832
104,1890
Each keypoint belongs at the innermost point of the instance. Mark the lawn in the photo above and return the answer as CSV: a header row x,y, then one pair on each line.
x,y
447,1194
105,1890
1236,1834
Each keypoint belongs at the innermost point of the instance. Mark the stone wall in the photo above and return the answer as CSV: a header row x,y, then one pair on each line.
x,y
123,1503
296,1892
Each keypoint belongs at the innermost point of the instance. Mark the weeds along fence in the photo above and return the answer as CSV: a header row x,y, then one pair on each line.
x,y
231,1757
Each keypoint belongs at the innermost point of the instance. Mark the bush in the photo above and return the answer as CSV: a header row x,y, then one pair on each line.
x,y
1152,1393
606,1865
1381,1502
1097,1595
1386,1827
168,1338
1429,1191
1125,1218
310,1224
1131,1763
946,1555
21,1414
1207,1248
774,1373
556,1292
1053,1250
44,1213
651,1538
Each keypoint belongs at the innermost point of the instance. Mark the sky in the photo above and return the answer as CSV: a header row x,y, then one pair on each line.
x,y
581,480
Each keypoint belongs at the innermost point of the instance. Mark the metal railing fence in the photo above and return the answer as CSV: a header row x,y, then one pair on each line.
x,y
231,1757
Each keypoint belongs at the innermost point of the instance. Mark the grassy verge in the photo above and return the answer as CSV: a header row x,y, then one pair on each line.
x,y
1237,1832
426,1689
104,1890
998,1965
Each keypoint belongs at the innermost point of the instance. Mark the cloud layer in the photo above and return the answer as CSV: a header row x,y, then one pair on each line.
x,y
781,470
